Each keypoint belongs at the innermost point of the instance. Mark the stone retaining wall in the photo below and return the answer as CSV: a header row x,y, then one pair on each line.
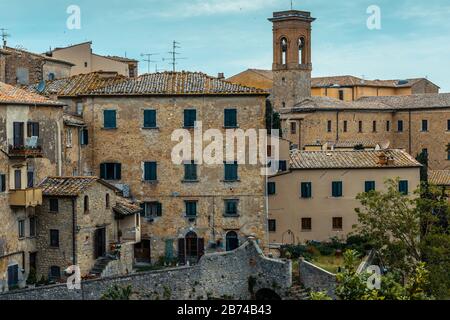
x,y
317,279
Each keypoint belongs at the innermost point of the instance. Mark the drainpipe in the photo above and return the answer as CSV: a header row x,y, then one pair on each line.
x,y
409,132
337,126
74,232
59,149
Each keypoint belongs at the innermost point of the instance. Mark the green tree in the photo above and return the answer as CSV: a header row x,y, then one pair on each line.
x,y
272,118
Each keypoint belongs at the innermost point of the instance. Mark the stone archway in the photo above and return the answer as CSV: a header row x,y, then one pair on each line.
x,y
266,294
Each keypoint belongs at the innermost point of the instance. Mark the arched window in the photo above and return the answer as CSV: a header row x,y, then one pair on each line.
x,y
107,200
301,51
284,47
232,241
86,204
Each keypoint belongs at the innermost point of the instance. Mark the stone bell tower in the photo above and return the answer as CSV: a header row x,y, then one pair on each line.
x,y
291,57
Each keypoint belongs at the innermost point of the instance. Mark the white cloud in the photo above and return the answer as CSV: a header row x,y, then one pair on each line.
x,y
430,14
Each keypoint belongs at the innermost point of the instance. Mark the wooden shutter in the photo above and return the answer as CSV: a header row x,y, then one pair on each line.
x,y
103,171
149,118
230,118
118,171
142,205
159,209
181,251
2,183
109,118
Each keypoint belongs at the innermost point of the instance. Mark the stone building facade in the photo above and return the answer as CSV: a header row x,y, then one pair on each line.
x,y
81,220
415,123
20,67
30,128
315,199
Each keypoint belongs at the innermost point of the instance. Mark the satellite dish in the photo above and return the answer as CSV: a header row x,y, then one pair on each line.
x,y
385,145
41,86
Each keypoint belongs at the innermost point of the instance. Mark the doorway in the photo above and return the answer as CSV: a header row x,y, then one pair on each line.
x,y
191,248
142,252
13,276
232,241
18,134
100,243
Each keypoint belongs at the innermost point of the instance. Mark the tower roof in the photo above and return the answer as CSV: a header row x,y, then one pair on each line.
x,y
292,15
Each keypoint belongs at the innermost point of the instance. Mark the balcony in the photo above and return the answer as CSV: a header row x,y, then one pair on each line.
x,y
25,198
32,148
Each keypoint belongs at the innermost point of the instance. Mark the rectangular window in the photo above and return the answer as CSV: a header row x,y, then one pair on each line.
x,y
109,119
329,127
54,238
369,186
403,187
337,223
190,116
424,125
341,94
345,126
2,182
53,205
388,126
30,179
191,208
84,137
448,152
282,165
17,179
306,224
272,225
151,209
360,126
79,108
448,125
55,273
22,76
400,126
150,171
306,189
231,171
231,207
230,118
336,189
190,171
32,226
32,129
271,188
149,118
294,127
111,171
21,229
374,126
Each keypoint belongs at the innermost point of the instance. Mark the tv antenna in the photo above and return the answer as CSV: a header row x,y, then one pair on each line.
x,y
5,36
173,60
292,4
148,59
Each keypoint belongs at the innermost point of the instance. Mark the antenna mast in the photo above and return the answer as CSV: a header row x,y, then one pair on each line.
x,y
5,36
173,60
148,59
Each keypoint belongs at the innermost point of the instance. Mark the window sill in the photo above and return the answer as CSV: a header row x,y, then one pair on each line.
x,y
152,182
53,248
22,238
150,128
230,181
231,127
190,181
337,230
231,215
306,230
103,128
189,127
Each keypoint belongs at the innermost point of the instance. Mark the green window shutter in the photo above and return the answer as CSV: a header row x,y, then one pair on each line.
x,y
271,188
369,186
84,137
150,171
109,119
190,116
142,209
190,171
118,171
336,189
191,208
231,171
306,189
159,209
403,187
103,171
149,118
230,118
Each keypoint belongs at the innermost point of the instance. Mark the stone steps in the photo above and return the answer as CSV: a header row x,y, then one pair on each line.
x,y
100,265
297,292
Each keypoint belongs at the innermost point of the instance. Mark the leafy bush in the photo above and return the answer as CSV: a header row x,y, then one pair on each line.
x,y
295,252
117,292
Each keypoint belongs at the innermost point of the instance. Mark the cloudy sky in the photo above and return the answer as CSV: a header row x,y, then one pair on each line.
x,y
233,35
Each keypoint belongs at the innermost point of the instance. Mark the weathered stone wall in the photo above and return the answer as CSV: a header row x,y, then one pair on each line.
x,y
412,139
121,266
217,275
316,279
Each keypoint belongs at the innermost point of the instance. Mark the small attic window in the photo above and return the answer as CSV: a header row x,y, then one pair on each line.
x,y
402,82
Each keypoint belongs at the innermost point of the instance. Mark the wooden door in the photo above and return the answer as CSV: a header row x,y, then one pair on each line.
x,y
100,243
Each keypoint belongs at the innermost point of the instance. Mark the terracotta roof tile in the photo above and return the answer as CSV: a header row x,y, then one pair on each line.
x,y
69,186
13,95
79,84
125,208
350,159
176,83
439,177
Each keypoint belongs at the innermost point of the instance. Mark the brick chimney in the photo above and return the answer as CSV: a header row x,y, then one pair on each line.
x,y
221,76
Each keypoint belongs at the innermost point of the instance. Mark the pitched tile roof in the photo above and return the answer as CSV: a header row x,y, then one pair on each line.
x,y
439,177
414,101
351,159
69,186
73,120
249,77
317,103
125,208
13,95
79,84
346,143
176,83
